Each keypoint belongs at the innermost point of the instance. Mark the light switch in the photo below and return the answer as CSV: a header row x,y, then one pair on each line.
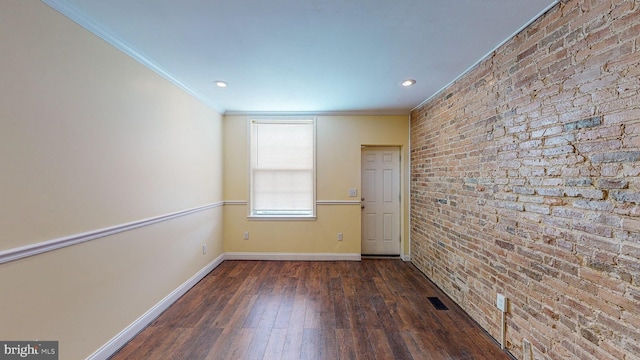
x,y
353,192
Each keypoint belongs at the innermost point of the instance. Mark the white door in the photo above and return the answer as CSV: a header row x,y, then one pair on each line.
x,y
381,201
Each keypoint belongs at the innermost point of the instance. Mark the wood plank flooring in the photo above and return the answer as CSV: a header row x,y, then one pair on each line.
x,y
374,309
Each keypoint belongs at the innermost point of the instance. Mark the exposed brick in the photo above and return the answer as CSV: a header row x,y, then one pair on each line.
x,y
609,170
560,140
550,191
550,120
593,205
592,228
505,245
581,77
630,171
579,182
585,193
530,144
552,182
606,219
574,36
532,274
570,115
554,201
558,34
600,133
603,81
523,190
546,132
618,156
625,196
587,334
632,141
531,199
560,150
632,129
626,115
599,146
538,209
584,123
516,129
554,110
613,184
510,205
527,52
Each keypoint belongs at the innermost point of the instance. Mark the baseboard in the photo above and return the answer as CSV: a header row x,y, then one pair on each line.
x,y
132,330
111,347
406,257
291,256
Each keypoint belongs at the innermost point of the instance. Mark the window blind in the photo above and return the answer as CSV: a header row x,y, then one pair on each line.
x,y
282,168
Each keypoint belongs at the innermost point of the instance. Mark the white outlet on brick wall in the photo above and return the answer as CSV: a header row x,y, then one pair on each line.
x,y
527,352
501,303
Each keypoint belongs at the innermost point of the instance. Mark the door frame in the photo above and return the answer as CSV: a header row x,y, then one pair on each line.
x,y
404,194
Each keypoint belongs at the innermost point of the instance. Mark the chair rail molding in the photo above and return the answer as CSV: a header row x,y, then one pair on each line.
x,y
50,245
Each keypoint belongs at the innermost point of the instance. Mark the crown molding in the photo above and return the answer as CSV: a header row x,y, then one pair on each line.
x,y
73,13
487,55
382,112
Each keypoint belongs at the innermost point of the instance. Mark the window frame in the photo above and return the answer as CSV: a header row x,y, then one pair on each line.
x,y
251,215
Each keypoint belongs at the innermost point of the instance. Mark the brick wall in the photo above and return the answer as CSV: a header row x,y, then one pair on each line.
x,y
525,180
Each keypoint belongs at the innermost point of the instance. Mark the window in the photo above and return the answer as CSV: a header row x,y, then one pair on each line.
x,y
282,174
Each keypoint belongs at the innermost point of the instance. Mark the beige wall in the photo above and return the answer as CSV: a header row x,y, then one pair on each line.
x,y
92,139
89,138
339,140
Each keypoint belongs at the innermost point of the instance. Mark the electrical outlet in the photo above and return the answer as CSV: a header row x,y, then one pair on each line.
x,y
339,236
204,248
501,303
246,235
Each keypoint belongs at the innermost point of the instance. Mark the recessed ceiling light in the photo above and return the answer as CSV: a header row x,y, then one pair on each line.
x,y
408,82
221,84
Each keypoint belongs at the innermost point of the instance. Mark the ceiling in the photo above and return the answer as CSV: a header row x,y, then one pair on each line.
x,y
318,56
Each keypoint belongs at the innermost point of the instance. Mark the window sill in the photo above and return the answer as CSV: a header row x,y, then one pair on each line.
x,y
281,218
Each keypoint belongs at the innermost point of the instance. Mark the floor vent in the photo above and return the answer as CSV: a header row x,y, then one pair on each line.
x,y
437,303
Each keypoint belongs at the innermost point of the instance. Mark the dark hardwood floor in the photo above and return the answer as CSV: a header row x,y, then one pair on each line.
x,y
374,309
